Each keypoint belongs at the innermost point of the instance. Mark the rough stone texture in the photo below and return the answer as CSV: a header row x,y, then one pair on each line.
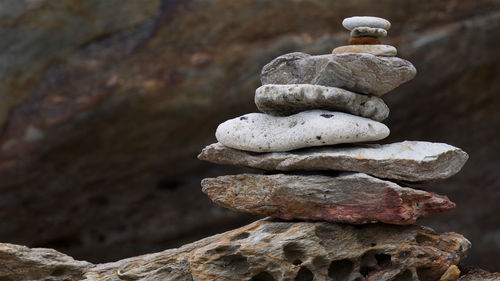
x,y
368,31
358,72
476,274
115,107
265,250
264,133
451,274
353,198
365,40
362,21
282,100
376,50
414,161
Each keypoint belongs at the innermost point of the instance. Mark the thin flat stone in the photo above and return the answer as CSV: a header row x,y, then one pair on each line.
x,y
283,100
357,72
365,40
353,198
376,22
414,161
376,50
265,133
368,31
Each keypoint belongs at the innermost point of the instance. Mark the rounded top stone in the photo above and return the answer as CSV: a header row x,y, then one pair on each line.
x,y
375,22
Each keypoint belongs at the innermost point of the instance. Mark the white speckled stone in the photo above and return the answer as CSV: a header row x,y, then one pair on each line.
x,y
368,31
288,99
259,132
353,22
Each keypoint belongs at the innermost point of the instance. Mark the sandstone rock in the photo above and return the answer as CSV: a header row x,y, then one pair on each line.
x,y
368,31
365,40
414,161
376,50
285,100
375,22
348,198
264,133
264,250
362,73
451,274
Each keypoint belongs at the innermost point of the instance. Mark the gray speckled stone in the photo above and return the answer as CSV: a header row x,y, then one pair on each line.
x,y
283,100
265,133
414,161
358,72
368,31
376,22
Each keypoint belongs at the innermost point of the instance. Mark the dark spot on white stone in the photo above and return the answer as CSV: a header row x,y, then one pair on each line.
x,y
318,137
327,115
243,118
362,104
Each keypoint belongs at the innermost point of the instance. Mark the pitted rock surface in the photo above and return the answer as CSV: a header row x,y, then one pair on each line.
x,y
264,250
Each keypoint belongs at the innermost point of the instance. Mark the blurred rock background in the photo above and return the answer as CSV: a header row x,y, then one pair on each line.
x,y
104,105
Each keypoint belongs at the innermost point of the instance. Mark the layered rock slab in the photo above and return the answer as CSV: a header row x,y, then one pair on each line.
x,y
283,100
264,250
259,132
415,161
376,50
353,198
358,72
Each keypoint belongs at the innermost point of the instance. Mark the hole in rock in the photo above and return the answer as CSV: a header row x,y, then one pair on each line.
x,y
383,260
235,263
263,276
304,274
241,236
58,271
293,251
296,262
405,276
366,270
427,273
340,270
423,239
168,184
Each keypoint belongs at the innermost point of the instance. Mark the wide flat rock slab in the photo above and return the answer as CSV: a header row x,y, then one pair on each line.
x,y
358,72
283,100
259,132
267,249
415,161
354,198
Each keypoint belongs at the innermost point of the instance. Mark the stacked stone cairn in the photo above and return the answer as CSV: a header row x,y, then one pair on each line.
x,y
318,112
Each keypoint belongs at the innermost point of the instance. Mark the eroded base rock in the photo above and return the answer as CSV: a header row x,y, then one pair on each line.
x,y
265,250
357,72
283,100
349,198
414,161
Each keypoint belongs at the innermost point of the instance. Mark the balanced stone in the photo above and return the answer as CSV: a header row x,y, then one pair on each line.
x,y
348,198
264,133
414,161
365,40
283,100
376,50
368,31
358,72
376,22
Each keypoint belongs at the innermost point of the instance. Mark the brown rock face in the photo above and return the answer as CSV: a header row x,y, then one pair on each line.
x,y
350,198
265,250
366,40
125,104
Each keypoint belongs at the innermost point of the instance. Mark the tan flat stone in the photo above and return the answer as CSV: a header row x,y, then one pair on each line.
x,y
376,50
